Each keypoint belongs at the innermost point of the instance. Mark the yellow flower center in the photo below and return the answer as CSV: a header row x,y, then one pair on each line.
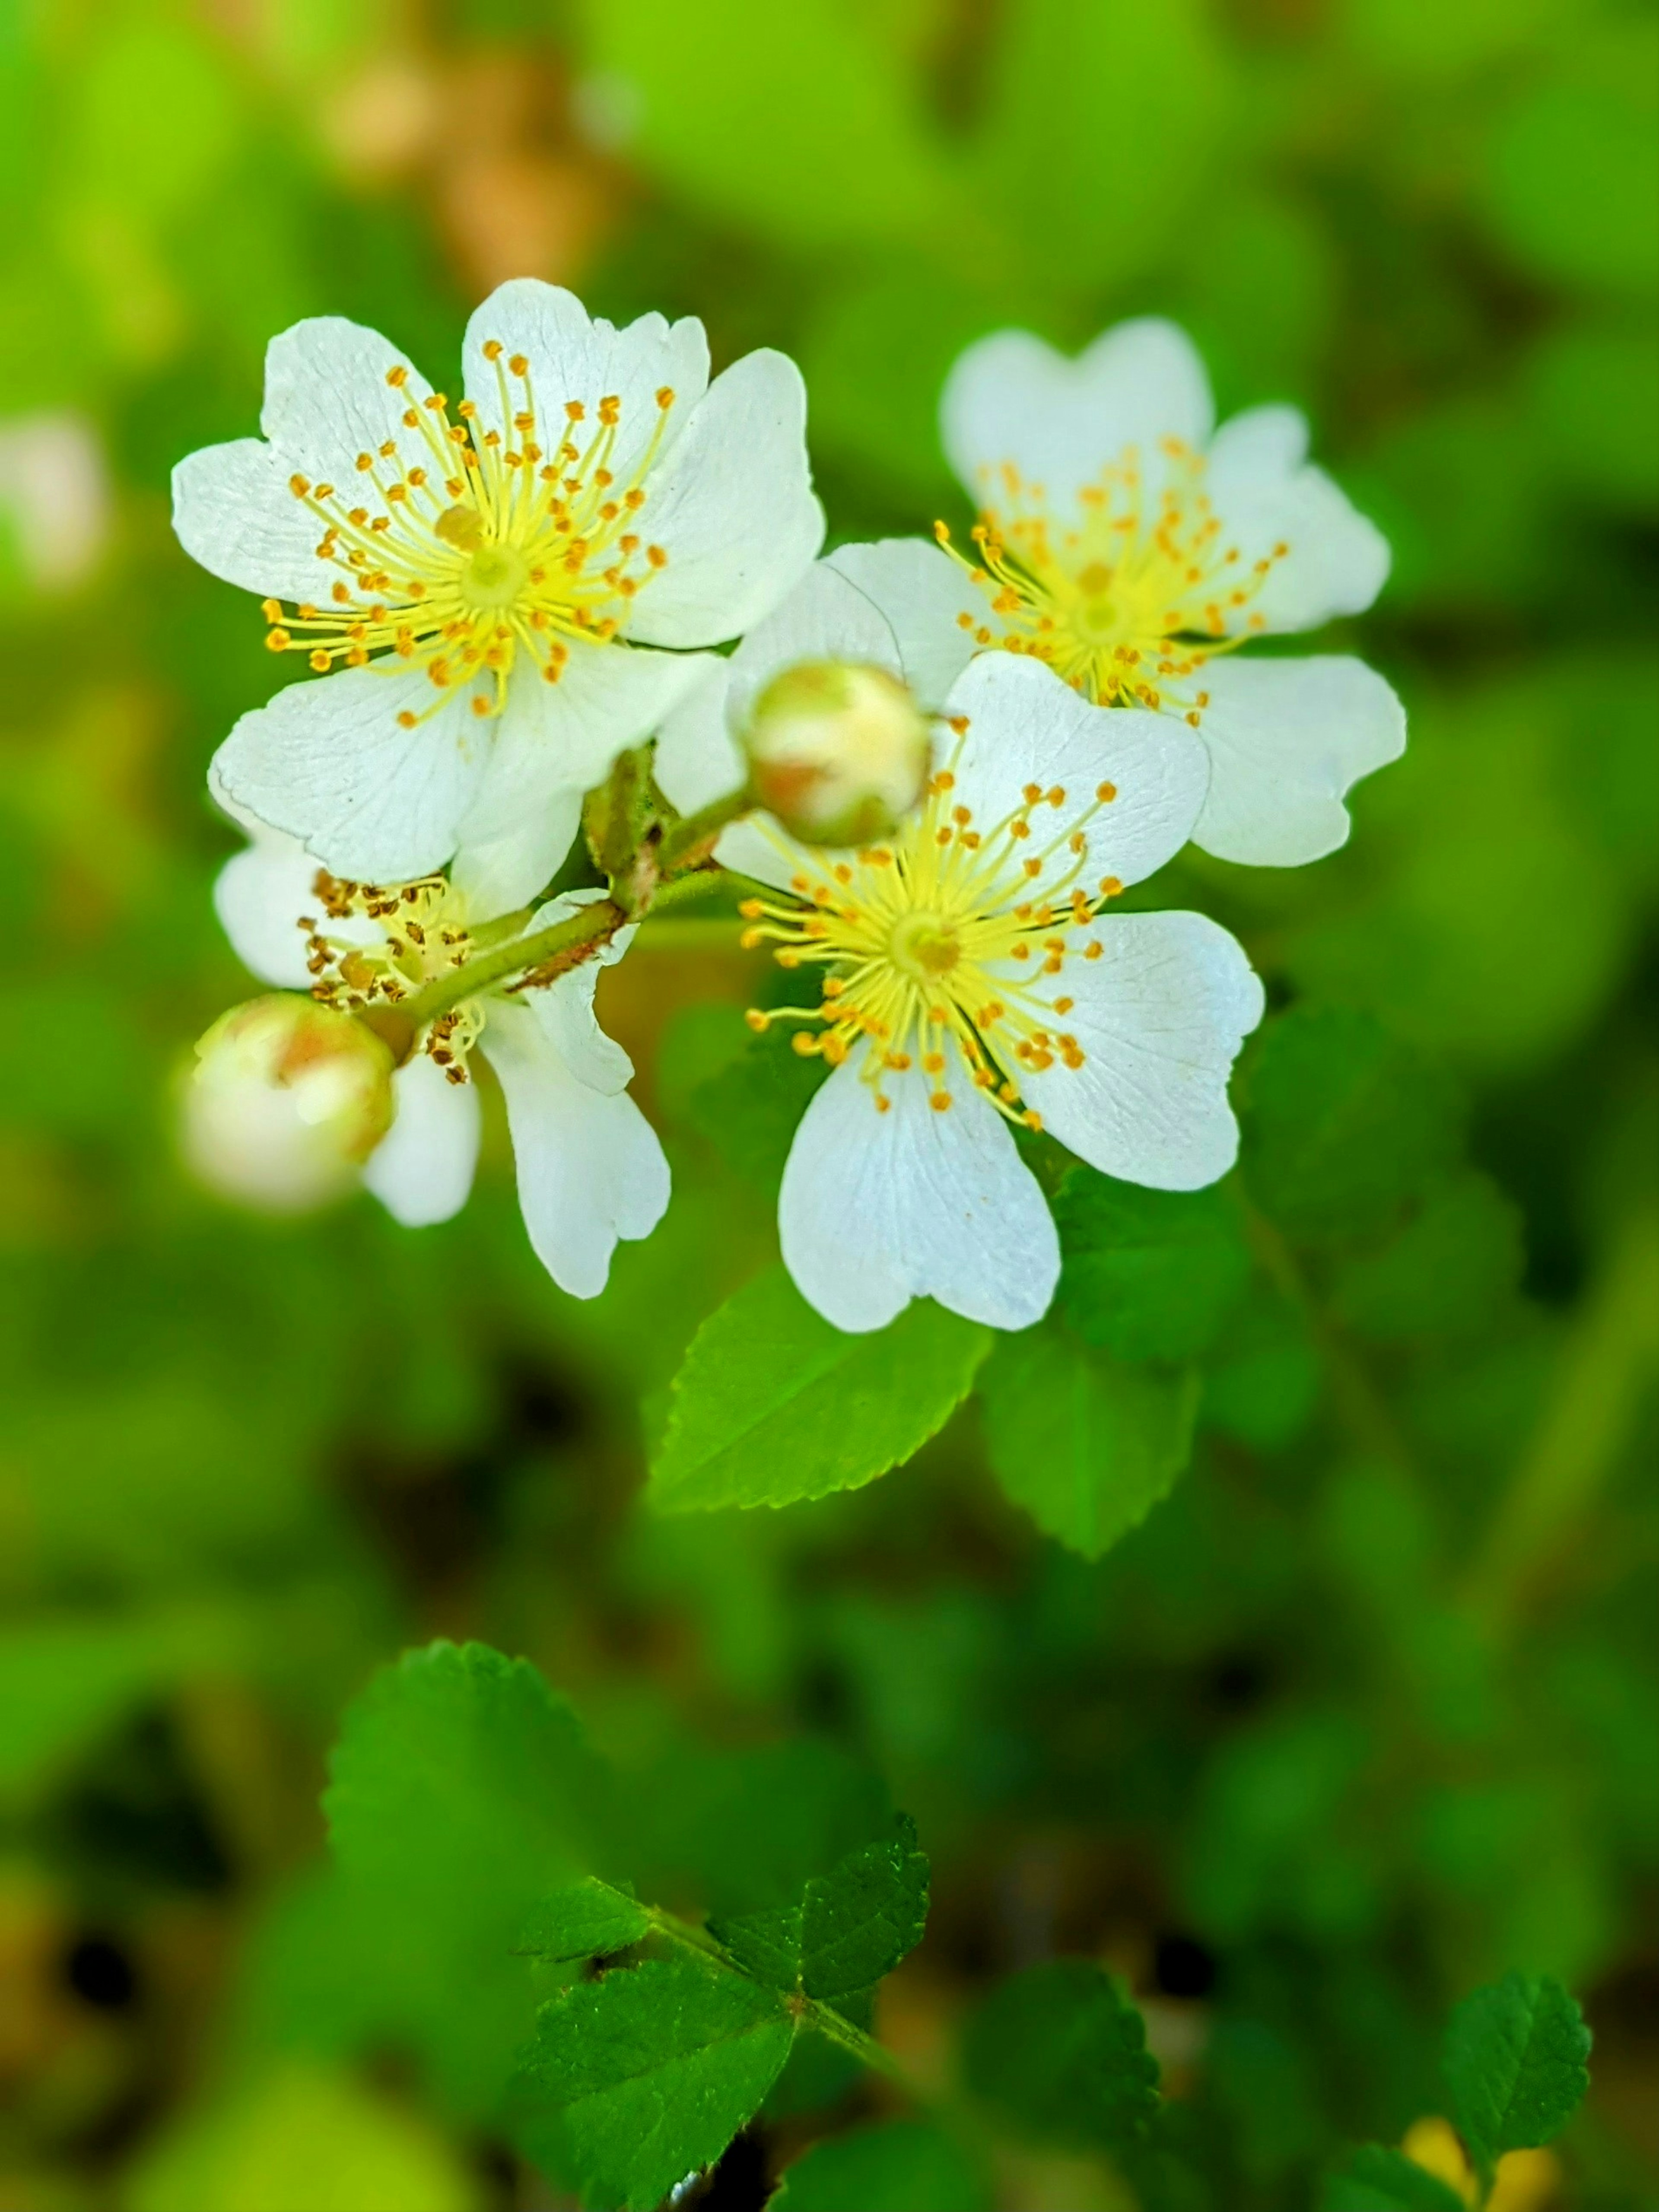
x,y
422,936
950,932
480,548
1128,603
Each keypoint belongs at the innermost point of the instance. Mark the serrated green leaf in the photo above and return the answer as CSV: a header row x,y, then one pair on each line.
x,y
852,1925
901,2165
1063,2052
634,2081
584,1920
1515,2064
1378,2181
1148,1275
1086,1444
774,1405
1343,1124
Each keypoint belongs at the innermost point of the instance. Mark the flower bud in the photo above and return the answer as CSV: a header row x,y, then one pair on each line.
x,y
285,1103
837,751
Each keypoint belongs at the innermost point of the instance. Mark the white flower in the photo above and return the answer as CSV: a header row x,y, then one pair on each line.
x,y
1134,551
590,1168
488,581
54,490
970,980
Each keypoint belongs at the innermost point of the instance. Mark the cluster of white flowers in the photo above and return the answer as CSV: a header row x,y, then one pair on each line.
x,y
934,770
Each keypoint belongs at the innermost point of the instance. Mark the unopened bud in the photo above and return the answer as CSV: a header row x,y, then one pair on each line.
x,y
285,1103
837,751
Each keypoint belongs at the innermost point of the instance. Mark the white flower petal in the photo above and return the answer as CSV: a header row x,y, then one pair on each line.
x,y
921,591
590,1167
1011,398
328,762
565,1012
1287,739
1267,493
758,848
496,873
878,1208
258,897
697,759
422,1168
327,399
825,617
1027,726
1159,1017
233,513
731,505
573,356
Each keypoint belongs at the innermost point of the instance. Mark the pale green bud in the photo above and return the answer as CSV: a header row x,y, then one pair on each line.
x,y
286,1101
837,751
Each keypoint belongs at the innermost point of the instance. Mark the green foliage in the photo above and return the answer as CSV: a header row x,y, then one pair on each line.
x,y
1344,1125
1515,2065
1148,1274
901,2165
585,1920
1378,2181
1061,2050
1085,1443
639,2078
774,1405
852,1926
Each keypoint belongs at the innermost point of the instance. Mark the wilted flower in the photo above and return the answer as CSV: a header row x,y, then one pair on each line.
x,y
1132,551
484,581
590,1167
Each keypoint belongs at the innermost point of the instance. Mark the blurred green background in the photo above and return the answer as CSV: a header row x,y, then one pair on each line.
x,y
1365,1712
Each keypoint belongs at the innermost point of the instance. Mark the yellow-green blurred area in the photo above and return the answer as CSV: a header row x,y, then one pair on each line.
x,y
1358,1716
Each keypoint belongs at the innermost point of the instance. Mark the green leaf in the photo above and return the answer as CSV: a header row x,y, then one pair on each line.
x,y
585,1920
1063,2052
1378,2181
1148,1275
792,124
1262,1380
635,2080
1449,1271
773,1404
1343,1124
852,1926
742,1094
901,2165
458,1773
1085,1445
1515,2063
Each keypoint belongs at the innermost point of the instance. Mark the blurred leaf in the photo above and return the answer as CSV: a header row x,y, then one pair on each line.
x,y
1569,170
1590,393
1061,2050
634,2081
154,115
1442,43
1262,1381
1378,2181
897,2165
744,1094
1343,1124
585,1920
1448,1273
1085,1445
1148,1275
773,1404
1091,198
793,124
299,2136
852,1926
1515,2065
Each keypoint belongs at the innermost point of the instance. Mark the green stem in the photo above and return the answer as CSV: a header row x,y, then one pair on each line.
x,y
1606,1365
546,952
692,832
